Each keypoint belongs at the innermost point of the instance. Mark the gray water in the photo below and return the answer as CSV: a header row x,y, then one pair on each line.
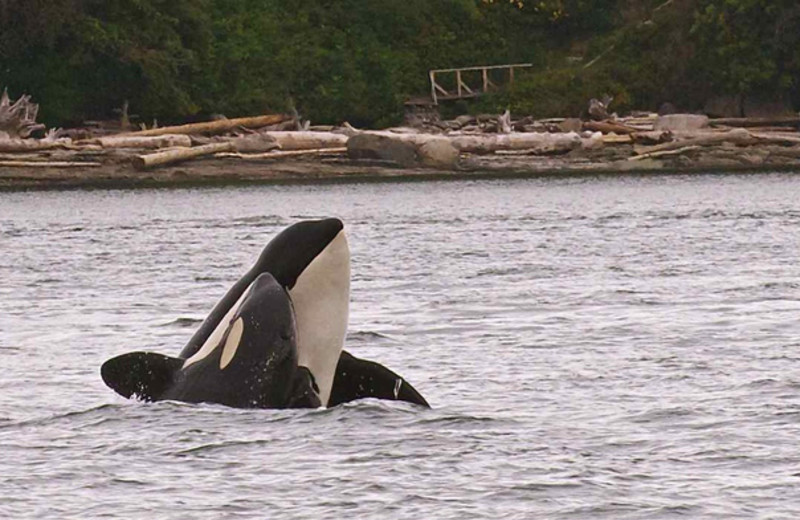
x,y
616,347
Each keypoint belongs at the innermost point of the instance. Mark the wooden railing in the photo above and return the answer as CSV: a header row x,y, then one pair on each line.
x,y
462,89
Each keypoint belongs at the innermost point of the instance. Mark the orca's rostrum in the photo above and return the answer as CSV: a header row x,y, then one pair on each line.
x,y
296,300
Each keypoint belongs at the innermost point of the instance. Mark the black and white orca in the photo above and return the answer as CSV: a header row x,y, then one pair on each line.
x,y
311,261
254,364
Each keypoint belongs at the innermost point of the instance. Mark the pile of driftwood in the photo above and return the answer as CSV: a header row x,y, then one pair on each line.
x,y
642,136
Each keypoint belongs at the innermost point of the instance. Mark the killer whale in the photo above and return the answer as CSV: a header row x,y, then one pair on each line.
x,y
314,255
253,365
311,261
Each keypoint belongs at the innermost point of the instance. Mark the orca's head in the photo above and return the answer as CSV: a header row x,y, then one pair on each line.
x,y
311,259
254,362
310,244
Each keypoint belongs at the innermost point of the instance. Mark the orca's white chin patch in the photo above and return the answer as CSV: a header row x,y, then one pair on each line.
x,y
321,298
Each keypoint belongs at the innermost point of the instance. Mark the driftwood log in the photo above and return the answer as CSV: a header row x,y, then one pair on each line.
x,y
307,140
664,153
793,152
215,127
252,143
32,145
755,121
777,138
137,141
49,164
545,142
652,137
18,119
491,143
608,127
737,136
281,154
175,155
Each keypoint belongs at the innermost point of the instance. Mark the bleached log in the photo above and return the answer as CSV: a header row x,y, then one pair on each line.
x,y
281,154
608,127
776,138
737,136
793,152
137,141
179,154
24,156
31,145
307,140
483,144
491,143
215,127
48,164
617,139
652,137
664,153
755,121
253,143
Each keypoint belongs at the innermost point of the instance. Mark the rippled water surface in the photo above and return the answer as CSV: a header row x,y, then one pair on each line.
x,y
618,347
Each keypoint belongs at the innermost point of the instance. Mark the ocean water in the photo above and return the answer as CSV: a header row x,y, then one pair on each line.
x,y
596,347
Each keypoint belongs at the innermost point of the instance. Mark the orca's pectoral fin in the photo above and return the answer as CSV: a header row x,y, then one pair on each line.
x,y
142,374
304,392
360,378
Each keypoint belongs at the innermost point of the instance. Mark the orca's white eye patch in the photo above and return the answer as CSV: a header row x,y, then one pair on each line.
x,y
231,343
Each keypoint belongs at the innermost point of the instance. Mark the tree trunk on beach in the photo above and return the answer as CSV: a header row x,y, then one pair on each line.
x,y
747,122
737,136
215,127
307,140
31,145
135,141
548,143
179,154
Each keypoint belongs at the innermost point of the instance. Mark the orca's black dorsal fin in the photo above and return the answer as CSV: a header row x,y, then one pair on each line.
x,y
142,374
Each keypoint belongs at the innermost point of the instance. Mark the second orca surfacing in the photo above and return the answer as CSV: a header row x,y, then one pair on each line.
x,y
253,366
300,283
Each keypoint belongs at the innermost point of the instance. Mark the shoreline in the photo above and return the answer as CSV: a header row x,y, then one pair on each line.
x,y
219,171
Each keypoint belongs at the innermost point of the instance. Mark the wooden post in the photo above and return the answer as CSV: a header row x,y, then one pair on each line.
x,y
433,87
485,79
511,75
458,82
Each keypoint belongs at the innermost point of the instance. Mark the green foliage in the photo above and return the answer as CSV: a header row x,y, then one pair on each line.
x,y
758,41
683,53
347,60
358,60
557,93
145,51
